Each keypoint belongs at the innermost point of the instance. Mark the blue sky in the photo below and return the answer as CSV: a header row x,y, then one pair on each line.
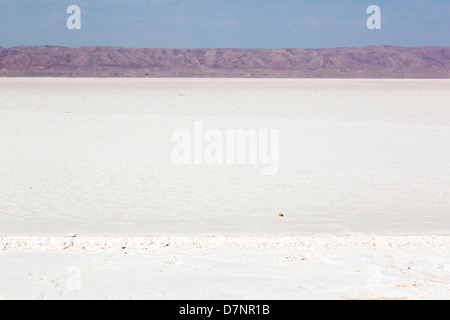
x,y
225,23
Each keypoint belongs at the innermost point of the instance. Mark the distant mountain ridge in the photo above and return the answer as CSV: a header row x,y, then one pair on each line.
x,y
364,62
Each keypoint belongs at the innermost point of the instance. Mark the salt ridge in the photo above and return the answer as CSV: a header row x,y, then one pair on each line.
x,y
145,243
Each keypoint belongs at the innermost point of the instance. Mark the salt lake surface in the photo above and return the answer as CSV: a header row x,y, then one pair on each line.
x,y
94,157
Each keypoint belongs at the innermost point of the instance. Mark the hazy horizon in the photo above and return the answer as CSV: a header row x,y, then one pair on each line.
x,y
212,48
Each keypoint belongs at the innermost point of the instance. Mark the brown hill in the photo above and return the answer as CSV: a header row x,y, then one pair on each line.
x,y
365,62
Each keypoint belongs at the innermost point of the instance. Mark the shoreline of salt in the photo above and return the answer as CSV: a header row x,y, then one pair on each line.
x,y
144,243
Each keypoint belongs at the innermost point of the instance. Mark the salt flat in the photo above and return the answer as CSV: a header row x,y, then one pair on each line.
x,y
93,156
228,268
88,188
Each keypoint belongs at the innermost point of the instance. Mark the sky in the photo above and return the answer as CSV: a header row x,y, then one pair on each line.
x,y
225,23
